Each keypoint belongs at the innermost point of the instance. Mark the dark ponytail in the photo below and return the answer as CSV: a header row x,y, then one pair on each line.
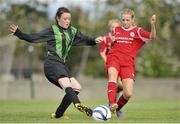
x,y
60,11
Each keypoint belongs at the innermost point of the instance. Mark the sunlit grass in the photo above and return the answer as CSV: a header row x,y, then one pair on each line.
x,y
136,111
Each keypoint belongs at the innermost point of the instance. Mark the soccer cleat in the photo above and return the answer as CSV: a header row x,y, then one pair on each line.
x,y
119,114
113,107
53,116
84,109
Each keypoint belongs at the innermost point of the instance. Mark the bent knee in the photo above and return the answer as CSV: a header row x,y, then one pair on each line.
x,y
75,83
77,87
127,95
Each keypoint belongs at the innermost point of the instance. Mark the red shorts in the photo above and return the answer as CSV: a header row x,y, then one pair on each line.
x,y
123,64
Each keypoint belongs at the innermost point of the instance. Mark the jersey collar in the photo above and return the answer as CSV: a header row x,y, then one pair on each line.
x,y
128,28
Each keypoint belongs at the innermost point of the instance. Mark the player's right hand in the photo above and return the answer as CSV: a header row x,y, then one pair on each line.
x,y
13,28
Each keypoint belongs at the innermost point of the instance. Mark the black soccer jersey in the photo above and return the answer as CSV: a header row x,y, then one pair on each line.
x,y
59,40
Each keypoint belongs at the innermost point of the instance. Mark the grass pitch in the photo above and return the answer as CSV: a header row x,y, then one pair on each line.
x,y
136,111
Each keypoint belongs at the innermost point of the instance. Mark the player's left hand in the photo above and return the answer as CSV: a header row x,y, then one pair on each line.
x,y
99,39
153,19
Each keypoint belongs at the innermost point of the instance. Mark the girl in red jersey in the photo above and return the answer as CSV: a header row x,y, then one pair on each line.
x,y
127,40
105,47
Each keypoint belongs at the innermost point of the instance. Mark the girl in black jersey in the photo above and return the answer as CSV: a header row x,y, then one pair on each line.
x,y
60,37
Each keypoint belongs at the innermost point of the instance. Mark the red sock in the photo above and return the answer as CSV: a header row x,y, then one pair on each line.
x,y
121,102
112,92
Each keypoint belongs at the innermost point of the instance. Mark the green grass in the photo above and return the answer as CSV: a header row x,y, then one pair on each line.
x,y
136,111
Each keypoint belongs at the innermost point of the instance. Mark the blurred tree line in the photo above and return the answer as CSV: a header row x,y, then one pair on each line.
x,y
161,58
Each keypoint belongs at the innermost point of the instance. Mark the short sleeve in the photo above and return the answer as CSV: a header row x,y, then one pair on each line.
x,y
144,35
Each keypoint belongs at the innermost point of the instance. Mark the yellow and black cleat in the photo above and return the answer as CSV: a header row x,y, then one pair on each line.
x,y
84,109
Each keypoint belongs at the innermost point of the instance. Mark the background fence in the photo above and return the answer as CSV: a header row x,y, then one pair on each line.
x,y
91,89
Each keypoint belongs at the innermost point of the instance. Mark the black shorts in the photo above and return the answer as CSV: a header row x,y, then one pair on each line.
x,y
54,69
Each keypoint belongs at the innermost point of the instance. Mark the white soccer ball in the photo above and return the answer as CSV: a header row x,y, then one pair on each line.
x,y
101,113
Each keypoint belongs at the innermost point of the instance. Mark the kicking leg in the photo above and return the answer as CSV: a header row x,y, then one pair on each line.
x,y
66,84
65,103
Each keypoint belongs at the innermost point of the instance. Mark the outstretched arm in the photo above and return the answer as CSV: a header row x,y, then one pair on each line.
x,y
42,36
82,39
153,27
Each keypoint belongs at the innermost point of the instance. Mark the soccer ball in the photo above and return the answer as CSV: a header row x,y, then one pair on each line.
x,y
101,113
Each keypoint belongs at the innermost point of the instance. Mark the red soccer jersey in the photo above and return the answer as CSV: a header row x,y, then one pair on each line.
x,y
106,44
129,41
